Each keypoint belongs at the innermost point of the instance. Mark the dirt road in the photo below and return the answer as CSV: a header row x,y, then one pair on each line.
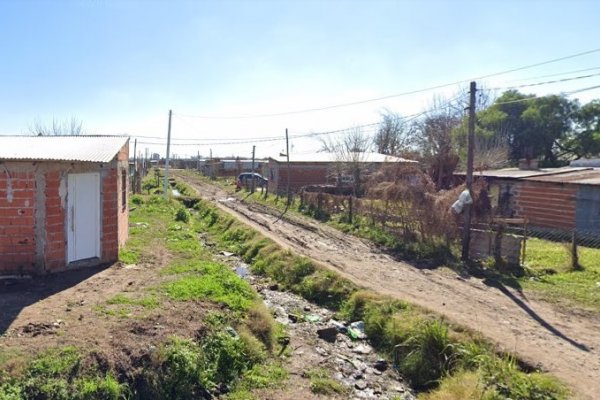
x,y
564,343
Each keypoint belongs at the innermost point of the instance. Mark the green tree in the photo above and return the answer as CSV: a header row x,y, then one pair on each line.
x,y
584,140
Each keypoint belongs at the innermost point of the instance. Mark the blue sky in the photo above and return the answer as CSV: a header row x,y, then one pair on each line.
x,y
119,66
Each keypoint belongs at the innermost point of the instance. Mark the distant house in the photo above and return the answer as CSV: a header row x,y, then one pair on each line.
x,y
317,169
556,198
230,167
63,202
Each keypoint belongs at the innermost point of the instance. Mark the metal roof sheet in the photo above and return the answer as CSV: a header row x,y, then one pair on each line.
x,y
324,157
61,148
516,173
588,176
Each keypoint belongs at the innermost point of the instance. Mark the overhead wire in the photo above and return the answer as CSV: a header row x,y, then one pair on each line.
x,y
266,115
544,83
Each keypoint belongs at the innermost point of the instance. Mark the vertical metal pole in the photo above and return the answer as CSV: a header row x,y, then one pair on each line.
x,y
166,184
469,177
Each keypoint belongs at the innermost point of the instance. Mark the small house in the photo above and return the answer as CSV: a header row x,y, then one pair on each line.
x,y
63,202
319,169
564,198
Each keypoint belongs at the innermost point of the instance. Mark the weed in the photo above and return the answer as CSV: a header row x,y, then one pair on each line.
x,y
182,215
260,322
463,385
137,200
217,283
426,354
321,383
128,256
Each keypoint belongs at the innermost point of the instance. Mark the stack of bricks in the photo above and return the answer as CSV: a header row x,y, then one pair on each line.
x,y
17,208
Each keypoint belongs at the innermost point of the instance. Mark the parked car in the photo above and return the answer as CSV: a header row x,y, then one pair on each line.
x,y
245,180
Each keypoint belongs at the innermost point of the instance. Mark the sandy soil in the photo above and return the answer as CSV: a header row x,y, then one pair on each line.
x,y
563,342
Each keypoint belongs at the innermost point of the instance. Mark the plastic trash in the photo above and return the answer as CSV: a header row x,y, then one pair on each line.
x,y
463,199
356,330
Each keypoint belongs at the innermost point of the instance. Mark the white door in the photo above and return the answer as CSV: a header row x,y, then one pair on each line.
x,y
83,218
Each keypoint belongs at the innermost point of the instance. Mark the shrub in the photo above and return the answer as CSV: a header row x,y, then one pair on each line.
x,y
426,355
137,199
260,322
182,215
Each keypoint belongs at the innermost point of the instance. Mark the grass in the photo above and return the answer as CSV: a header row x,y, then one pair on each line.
x,y
322,383
235,349
554,280
218,285
427,350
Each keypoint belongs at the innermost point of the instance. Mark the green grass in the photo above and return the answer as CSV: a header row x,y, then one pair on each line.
x,y
215,283
429,349
322,383
549,264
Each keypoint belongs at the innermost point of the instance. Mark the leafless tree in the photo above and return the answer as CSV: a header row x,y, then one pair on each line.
x,y
350,152
435,138
68,127
394,136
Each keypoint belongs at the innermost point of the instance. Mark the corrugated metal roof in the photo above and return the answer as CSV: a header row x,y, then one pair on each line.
x,y
516,173
323,157
61,148
589,176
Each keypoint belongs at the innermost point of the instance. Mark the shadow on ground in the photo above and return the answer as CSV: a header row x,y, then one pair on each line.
x,y
15,294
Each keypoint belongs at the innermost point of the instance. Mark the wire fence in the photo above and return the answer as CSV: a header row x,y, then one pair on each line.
x,y
418,215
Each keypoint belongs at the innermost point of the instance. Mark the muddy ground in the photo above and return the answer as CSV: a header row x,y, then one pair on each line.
x,y
564,342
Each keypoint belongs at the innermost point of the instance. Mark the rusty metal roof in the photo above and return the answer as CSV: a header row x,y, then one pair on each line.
x,y
99,149
516,173
578,176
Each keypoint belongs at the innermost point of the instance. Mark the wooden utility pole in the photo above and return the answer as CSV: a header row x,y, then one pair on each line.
x,y
469,177
253,184
166,184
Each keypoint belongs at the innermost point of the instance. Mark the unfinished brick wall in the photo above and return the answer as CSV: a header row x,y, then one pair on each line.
x,y
110,223
54,223
301,174
17,209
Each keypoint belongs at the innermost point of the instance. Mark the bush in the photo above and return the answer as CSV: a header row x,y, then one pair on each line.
x,y
137,199
426,355
182,215
260,322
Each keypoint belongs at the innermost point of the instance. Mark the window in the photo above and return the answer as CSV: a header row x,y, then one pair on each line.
x,y
123,189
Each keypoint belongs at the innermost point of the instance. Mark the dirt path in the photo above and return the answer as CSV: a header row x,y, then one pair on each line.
x,y
565,343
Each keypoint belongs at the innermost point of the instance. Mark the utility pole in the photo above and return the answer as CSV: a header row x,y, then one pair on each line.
x,y
253,180
469,177
287,154
166,184
135,168
198,161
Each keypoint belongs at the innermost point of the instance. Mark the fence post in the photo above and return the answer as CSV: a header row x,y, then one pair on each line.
x,y
498,245
524,242
574,256
350,216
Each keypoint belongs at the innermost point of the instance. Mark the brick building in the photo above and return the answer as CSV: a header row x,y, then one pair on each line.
x,y
555,198
318,169
63,202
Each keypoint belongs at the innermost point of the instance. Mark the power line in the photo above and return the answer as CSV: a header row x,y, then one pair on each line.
x,y
266,115
545,82
556,74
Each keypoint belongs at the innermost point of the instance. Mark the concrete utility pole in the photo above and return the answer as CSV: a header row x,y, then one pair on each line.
x,y
287,154
198,161
469,177
253,180
166,184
